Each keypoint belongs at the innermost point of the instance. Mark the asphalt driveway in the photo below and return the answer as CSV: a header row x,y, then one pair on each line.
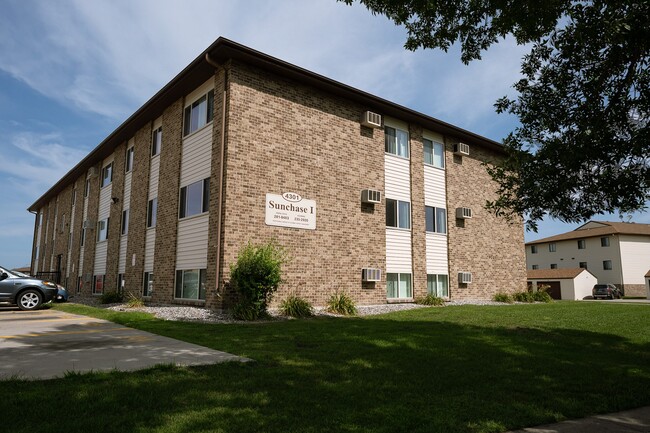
x,y
45,344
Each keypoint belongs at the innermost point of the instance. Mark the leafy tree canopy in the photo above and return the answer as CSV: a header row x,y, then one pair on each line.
x,y
583,103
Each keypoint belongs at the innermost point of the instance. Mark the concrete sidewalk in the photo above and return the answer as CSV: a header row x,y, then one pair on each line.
x,y
629,421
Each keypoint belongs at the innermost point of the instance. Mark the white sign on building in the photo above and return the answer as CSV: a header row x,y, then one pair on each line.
x,y
290,210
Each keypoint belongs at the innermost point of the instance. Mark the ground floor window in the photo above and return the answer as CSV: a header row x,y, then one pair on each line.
x,y
438,285
80,284
120,283
190,284
398,286
98,284
147,284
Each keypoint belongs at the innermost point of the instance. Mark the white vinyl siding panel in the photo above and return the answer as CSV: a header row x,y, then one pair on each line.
x,y
124,239
69,265
397,178
398,251
196,157
100,258
121,266
635,258
192,245
154,175
104,210
149,247
434,187
437,259
127,190
81,251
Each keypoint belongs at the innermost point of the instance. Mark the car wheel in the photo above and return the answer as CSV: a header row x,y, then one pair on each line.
x,y
29,300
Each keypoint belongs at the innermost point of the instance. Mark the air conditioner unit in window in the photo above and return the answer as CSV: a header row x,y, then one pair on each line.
x,y
463,213
464,277
461,149
89,224
371,274
371,120
370,196
93,172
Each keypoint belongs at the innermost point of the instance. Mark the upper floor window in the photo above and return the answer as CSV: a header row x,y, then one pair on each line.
x,y
552,247
583,265
581,244
102,230
125,221
607,265
535,267
199,113
129,159
434,153
553,265
533,249
152,212
87,188
398,214
396,142
195,198
156,142
74,196
604,242
436,219
107,174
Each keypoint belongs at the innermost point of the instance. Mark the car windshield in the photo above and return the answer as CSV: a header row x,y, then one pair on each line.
x,y
600,286
10,273
20,274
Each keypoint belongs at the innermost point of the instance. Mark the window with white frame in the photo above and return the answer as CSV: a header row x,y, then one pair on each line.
x,y
607,265
434,153
398,214
582,244
396,142
129,160
535,267
107,174
102,230
436,219
156,142
438,285
87,188
125,222
199,113
398,286
190,284
83,237
195,198
604,242
98,284
152,212
147,284
120,283
533,249
552,247
74,196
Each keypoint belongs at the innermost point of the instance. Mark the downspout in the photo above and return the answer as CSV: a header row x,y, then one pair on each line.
x,y
221,162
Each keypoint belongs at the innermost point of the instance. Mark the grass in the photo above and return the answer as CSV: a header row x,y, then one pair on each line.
x,y
454,369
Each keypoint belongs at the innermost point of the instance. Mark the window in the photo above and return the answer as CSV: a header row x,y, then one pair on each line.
x,y
434,153
87,188
152,212
199,113
553,265
102,230
147,284
107,175
120,283
396,142
535,267
438,285
74,196
190,284
129,159
581,244
98,284
398,286
80,284
552,247
436,219
607,265
533,249
195,198
156,142
83,237
604,242
398,214
583,265
62,223
125,222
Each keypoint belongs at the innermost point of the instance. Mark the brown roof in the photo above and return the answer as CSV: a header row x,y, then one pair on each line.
x,y
201,69
566,273
608,228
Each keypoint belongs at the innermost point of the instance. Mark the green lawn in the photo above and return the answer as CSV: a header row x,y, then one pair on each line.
x,y
452,369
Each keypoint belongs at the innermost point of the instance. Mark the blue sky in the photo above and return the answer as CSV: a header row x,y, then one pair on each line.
x,y
71,71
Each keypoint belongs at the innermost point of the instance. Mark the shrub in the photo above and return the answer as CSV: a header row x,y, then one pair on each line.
x,y
133,301
523,297
341,303
255,277
430,299
502,297
295,306
110,298
542,296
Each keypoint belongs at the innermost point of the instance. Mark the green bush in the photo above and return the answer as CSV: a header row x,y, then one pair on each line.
x,y
295,306
133,301
430,299
542,296
341,303
502,297
255,277
523,297
110,298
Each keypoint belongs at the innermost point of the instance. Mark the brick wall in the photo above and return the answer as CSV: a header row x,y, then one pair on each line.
x,y
418,220
90,242
62,233
76,236
115,230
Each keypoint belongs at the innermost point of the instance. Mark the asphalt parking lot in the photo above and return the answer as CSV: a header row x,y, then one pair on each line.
x,y
45,344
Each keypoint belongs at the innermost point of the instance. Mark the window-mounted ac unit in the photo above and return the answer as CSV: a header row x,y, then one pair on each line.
x,y
463,213
464,277
93,172
371,120
89,224
371,274
370,196
461,149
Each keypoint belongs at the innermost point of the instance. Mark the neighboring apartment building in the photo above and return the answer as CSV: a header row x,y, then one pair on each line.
x,y
615,252
243,147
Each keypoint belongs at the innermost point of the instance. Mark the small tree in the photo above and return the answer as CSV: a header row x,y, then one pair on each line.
x,y
256,276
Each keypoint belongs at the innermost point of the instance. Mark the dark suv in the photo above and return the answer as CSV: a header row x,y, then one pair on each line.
x,y
606,291
27,293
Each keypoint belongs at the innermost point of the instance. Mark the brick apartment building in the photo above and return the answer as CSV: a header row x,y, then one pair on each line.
x,y
243,147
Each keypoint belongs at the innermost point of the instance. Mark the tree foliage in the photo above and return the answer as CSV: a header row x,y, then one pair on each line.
x,y
583,100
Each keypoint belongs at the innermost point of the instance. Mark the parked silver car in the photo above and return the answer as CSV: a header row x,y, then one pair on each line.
x,y
28,293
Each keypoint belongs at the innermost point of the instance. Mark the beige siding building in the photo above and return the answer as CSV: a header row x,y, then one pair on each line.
x,y
367,196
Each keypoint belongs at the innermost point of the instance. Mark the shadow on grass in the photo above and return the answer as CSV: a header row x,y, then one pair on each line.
x,y
417,372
